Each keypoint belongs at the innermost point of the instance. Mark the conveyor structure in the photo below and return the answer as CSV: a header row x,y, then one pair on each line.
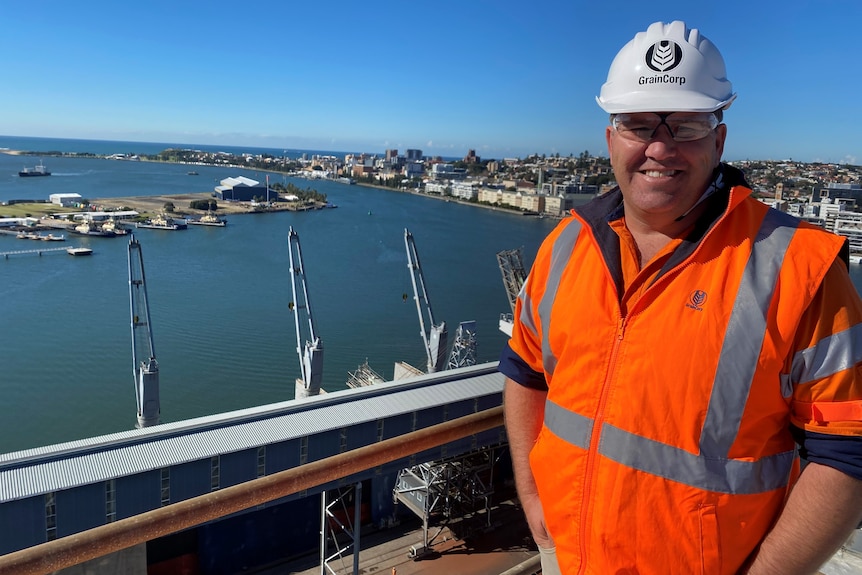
x,y
511,264
444,490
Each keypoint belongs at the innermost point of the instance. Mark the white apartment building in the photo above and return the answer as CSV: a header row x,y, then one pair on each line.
x,y
465,190
434,187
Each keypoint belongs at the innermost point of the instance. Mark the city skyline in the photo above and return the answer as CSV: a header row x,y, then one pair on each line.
x,y
442,77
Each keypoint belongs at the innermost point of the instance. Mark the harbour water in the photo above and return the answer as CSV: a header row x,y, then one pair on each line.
x,y
223,333
224,336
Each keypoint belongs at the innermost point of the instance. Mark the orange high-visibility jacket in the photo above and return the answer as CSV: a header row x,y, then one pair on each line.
x,y
666,445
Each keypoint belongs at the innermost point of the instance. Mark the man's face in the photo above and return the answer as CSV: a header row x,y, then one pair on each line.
x,y
661,178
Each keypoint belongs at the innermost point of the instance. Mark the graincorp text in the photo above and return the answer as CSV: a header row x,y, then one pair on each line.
x,y
666,79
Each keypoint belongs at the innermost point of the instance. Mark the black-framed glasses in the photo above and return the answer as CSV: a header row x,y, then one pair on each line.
x,y
683,126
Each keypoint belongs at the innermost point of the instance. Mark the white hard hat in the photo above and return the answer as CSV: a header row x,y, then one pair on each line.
x,y
668,68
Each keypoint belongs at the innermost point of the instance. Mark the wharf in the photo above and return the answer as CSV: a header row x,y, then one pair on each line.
x,y
505,547
40,251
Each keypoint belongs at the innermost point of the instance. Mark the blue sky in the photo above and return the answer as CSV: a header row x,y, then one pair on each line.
x,y
502,77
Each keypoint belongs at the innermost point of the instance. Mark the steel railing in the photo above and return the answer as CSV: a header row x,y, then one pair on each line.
x,y
105,539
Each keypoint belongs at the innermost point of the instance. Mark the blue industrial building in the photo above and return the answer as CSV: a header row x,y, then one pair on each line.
x,y
56,491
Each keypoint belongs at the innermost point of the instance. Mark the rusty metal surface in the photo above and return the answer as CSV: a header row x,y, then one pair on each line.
x,y
112,537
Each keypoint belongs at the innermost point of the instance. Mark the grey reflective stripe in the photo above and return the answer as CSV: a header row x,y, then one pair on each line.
x,y
720,475
835,353
572,427
734,476
526,317
711,469
561,253
743,340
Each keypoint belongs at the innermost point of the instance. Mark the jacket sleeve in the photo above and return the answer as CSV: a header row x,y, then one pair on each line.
x,y
516,369
826,373
521,359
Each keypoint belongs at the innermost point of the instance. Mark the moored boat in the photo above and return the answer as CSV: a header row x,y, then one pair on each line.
x,y
162,222
79,251
89,228
113,226
209,219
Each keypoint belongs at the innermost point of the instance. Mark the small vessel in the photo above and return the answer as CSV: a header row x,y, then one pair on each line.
x,y
209,219
192,173
79,251
113,226
162,222
89,228
39,170
53,238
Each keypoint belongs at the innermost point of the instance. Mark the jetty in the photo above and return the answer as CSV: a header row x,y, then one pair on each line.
x,y
72,251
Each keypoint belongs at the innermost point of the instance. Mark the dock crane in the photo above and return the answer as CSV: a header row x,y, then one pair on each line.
x,y
511,263
311,353
436,340
146,371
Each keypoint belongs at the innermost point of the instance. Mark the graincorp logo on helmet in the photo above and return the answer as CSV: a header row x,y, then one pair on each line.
x,y
663,56
668,68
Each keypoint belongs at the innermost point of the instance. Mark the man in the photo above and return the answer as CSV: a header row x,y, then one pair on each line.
x,y
674,341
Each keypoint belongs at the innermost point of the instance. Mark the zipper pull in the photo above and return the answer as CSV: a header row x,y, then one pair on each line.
x,y
621,328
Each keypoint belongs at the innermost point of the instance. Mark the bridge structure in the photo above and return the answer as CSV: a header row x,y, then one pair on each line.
x,y
62,490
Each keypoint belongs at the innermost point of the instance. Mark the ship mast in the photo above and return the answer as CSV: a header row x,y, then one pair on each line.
x,y
311,353
144,364
436,340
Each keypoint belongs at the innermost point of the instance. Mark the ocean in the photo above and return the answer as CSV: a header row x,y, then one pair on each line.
x,y
223,332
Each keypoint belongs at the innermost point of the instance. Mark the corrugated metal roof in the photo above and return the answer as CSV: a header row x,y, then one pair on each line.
x,y
63,466
233,182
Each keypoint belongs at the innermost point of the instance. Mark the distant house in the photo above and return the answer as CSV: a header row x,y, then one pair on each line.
x,y
241,189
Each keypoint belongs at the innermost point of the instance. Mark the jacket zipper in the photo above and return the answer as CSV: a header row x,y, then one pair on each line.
x,y
595,436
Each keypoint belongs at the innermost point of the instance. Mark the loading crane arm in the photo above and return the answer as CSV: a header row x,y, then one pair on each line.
x,y
144,364
436,340
309,346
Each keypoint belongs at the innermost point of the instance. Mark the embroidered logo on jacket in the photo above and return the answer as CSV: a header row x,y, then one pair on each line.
x,y
696,300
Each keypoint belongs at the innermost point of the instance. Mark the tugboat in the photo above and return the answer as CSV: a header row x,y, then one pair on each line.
x,y
39,170
113,226
88,228
162,222
209,219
